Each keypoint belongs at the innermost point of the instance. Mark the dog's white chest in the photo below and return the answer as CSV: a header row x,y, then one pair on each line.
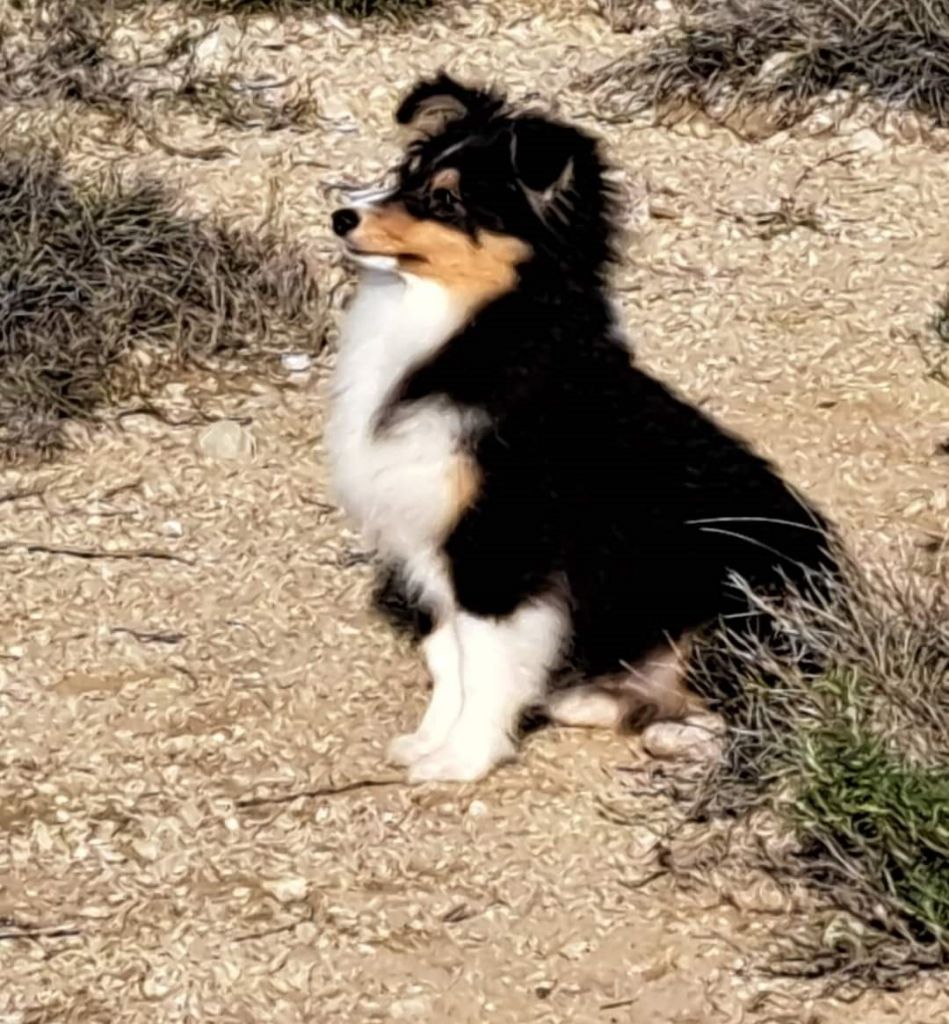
x,y
395,483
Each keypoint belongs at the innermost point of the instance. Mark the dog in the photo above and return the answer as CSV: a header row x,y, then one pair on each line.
x,y
544,500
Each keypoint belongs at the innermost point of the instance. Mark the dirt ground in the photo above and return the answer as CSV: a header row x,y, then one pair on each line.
x,y
195,817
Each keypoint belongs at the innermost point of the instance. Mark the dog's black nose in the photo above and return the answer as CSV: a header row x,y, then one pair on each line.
x,y
344,221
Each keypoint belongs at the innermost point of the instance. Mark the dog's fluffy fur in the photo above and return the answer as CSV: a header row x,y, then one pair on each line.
x,y
542,499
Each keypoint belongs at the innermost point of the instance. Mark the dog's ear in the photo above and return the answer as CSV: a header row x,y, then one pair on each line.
x,y
435,102
544,154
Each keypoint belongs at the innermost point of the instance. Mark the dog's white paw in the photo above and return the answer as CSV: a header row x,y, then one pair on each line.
x,y
696,738
410,747
456,762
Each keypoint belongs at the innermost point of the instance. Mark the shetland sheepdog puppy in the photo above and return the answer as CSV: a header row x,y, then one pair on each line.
x,y
543,500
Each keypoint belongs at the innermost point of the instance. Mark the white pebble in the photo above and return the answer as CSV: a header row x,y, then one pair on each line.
x,y
296,362
288,890
226,439
172,528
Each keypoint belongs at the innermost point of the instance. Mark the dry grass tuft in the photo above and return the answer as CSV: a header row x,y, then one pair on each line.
x,y
933,345
61,50
54,49
629,15
853,762
94,272
941,320
729,58
391,10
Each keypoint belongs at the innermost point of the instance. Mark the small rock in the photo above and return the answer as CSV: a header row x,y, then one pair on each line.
x,y
172,528
697,738
226,439
415,1008
868,141
477,809
660,209
266,25
576,950
96,912
288,890
207,48
296,362
155,988
146,849
191,814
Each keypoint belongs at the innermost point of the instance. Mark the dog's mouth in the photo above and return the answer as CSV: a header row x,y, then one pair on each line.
x,y
356,252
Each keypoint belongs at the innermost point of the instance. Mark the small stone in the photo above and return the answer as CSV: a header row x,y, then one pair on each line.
x,y
477,809
660,209
191,814
146,849
155,988
207,48
95,912
288,890
172,528
697,738
416,1008
296,362
868,141
226,439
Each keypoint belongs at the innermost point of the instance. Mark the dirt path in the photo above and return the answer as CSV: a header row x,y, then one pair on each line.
x,y
194,699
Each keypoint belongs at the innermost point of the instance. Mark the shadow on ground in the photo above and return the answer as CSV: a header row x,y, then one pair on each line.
x,y
93,272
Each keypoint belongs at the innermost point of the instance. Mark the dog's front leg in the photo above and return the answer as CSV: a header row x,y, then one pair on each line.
x,y
505,664
443,657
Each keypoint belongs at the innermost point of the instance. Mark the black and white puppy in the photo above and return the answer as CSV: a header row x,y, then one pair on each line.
x,y
541,497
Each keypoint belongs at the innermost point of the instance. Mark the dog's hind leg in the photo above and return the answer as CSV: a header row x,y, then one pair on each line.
x,y
650,691
650,697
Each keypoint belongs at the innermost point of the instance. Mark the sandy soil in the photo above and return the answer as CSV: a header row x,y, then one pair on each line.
x,y
194,812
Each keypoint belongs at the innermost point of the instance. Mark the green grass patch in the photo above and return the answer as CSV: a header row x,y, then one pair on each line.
x,y
839,734
863,810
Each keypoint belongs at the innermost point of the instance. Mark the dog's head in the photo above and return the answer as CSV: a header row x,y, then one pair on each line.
x,y
482,191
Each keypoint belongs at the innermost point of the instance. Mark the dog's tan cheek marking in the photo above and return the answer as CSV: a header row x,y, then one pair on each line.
x,y
464,483
477,272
